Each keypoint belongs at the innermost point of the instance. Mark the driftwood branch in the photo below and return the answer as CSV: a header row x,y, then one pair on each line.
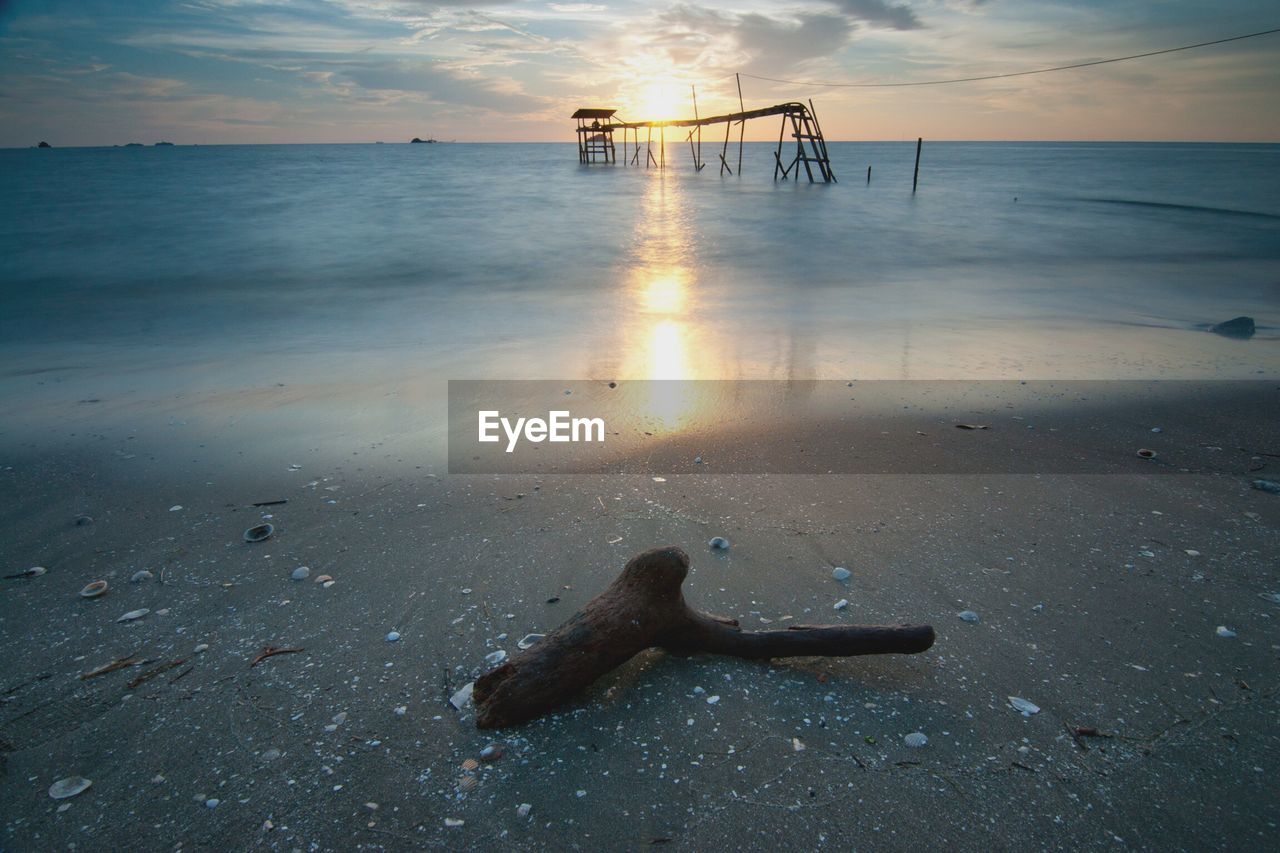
x,y
644,607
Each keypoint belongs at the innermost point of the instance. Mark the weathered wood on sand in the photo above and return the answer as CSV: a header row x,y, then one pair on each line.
x,y
644,607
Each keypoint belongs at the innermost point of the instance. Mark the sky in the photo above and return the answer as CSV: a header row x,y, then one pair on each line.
x,y
106,72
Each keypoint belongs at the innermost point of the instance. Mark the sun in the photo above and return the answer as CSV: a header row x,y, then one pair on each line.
x,y
662,102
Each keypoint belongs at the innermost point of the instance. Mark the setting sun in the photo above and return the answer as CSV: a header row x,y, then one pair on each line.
x,y
664,101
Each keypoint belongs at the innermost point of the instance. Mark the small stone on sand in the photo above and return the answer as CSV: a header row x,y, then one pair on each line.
x,y
840,573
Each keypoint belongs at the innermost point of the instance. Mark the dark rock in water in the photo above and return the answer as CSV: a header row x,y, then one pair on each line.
x,y
133,145
161,144
44,144
1240,327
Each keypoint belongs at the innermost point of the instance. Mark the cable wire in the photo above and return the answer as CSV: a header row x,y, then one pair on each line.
x,y
1015,73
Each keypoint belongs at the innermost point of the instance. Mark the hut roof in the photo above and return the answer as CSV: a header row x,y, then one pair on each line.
x,y
587,112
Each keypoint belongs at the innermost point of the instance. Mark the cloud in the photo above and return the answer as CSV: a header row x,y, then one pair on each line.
x,y
878,13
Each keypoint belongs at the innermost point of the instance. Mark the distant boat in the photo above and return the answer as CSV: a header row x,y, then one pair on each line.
x,y
423,141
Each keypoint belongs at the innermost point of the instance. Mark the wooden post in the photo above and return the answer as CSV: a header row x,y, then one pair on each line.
x,y
915,179
742,125
662,147
724,164
868,176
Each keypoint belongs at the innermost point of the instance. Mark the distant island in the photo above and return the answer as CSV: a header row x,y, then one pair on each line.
x,y
44,144
423,141
158,144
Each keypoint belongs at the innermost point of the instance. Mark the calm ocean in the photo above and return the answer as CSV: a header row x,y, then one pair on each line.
x,y
515,261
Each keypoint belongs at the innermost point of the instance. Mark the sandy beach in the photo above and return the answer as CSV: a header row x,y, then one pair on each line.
x,y
1098,599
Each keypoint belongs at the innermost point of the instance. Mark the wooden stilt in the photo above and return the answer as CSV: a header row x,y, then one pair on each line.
x,y
915,178
742,125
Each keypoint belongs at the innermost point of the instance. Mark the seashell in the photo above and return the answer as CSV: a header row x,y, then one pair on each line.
x,y
968,616
528,641
260,533
523,809
1146,454
328,584
301,573
454,821
1224,632
495,658
69,787
467,783
842,604
83,520
460,699
94,590
719,543
915,739
33,572
470,764
322,579
139,577
1027,708
134,615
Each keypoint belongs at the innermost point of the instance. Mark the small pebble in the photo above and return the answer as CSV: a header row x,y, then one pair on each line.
x,y
301,573
201,649
1225,632
401,710
915,739
842,604
371,807
523,809
393,636
492,752
968,616
340,717
175,508
271,754
1156,429
840,573
711,700
453,821
212,802
719,543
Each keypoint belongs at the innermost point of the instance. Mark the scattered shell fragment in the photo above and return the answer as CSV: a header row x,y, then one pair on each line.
x,y
201,649
259,533
70,786
33,572
711,700
140,577
972,426
467,782
1273,597
1225,632
323,579
1146,453
719,543
1191,552
454,821
470,765
495,658
134,615
523,810
371,806
393,636
528,641
842,604
84,520
1027,708
968,616
175,508
840,573
460,699
340,718
915,739
271,754
797,745
301,573
94,589
492,752
401,710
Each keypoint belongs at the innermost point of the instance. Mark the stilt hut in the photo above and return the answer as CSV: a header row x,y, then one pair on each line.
x,y
595,135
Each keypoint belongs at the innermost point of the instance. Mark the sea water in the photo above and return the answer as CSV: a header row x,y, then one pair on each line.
x,y
367,275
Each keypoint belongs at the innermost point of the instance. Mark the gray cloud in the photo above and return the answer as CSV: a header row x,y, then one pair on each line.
x,y
879,13
695,36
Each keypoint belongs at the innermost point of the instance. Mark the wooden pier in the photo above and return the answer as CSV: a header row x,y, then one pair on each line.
x,y
596,128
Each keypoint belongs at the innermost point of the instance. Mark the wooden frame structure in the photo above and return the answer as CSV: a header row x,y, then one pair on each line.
x,y
810,151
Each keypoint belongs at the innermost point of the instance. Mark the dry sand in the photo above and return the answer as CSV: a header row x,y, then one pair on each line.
x,y
1091,605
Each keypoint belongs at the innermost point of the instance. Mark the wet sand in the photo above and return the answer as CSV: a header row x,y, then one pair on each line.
x,y
1090,606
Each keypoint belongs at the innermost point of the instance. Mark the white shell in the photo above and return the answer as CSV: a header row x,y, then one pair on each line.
x,y
1225,632
133,615
94,589
842,604
528,641
460,699
1027,708
139,577
69,787
967,616
495,658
